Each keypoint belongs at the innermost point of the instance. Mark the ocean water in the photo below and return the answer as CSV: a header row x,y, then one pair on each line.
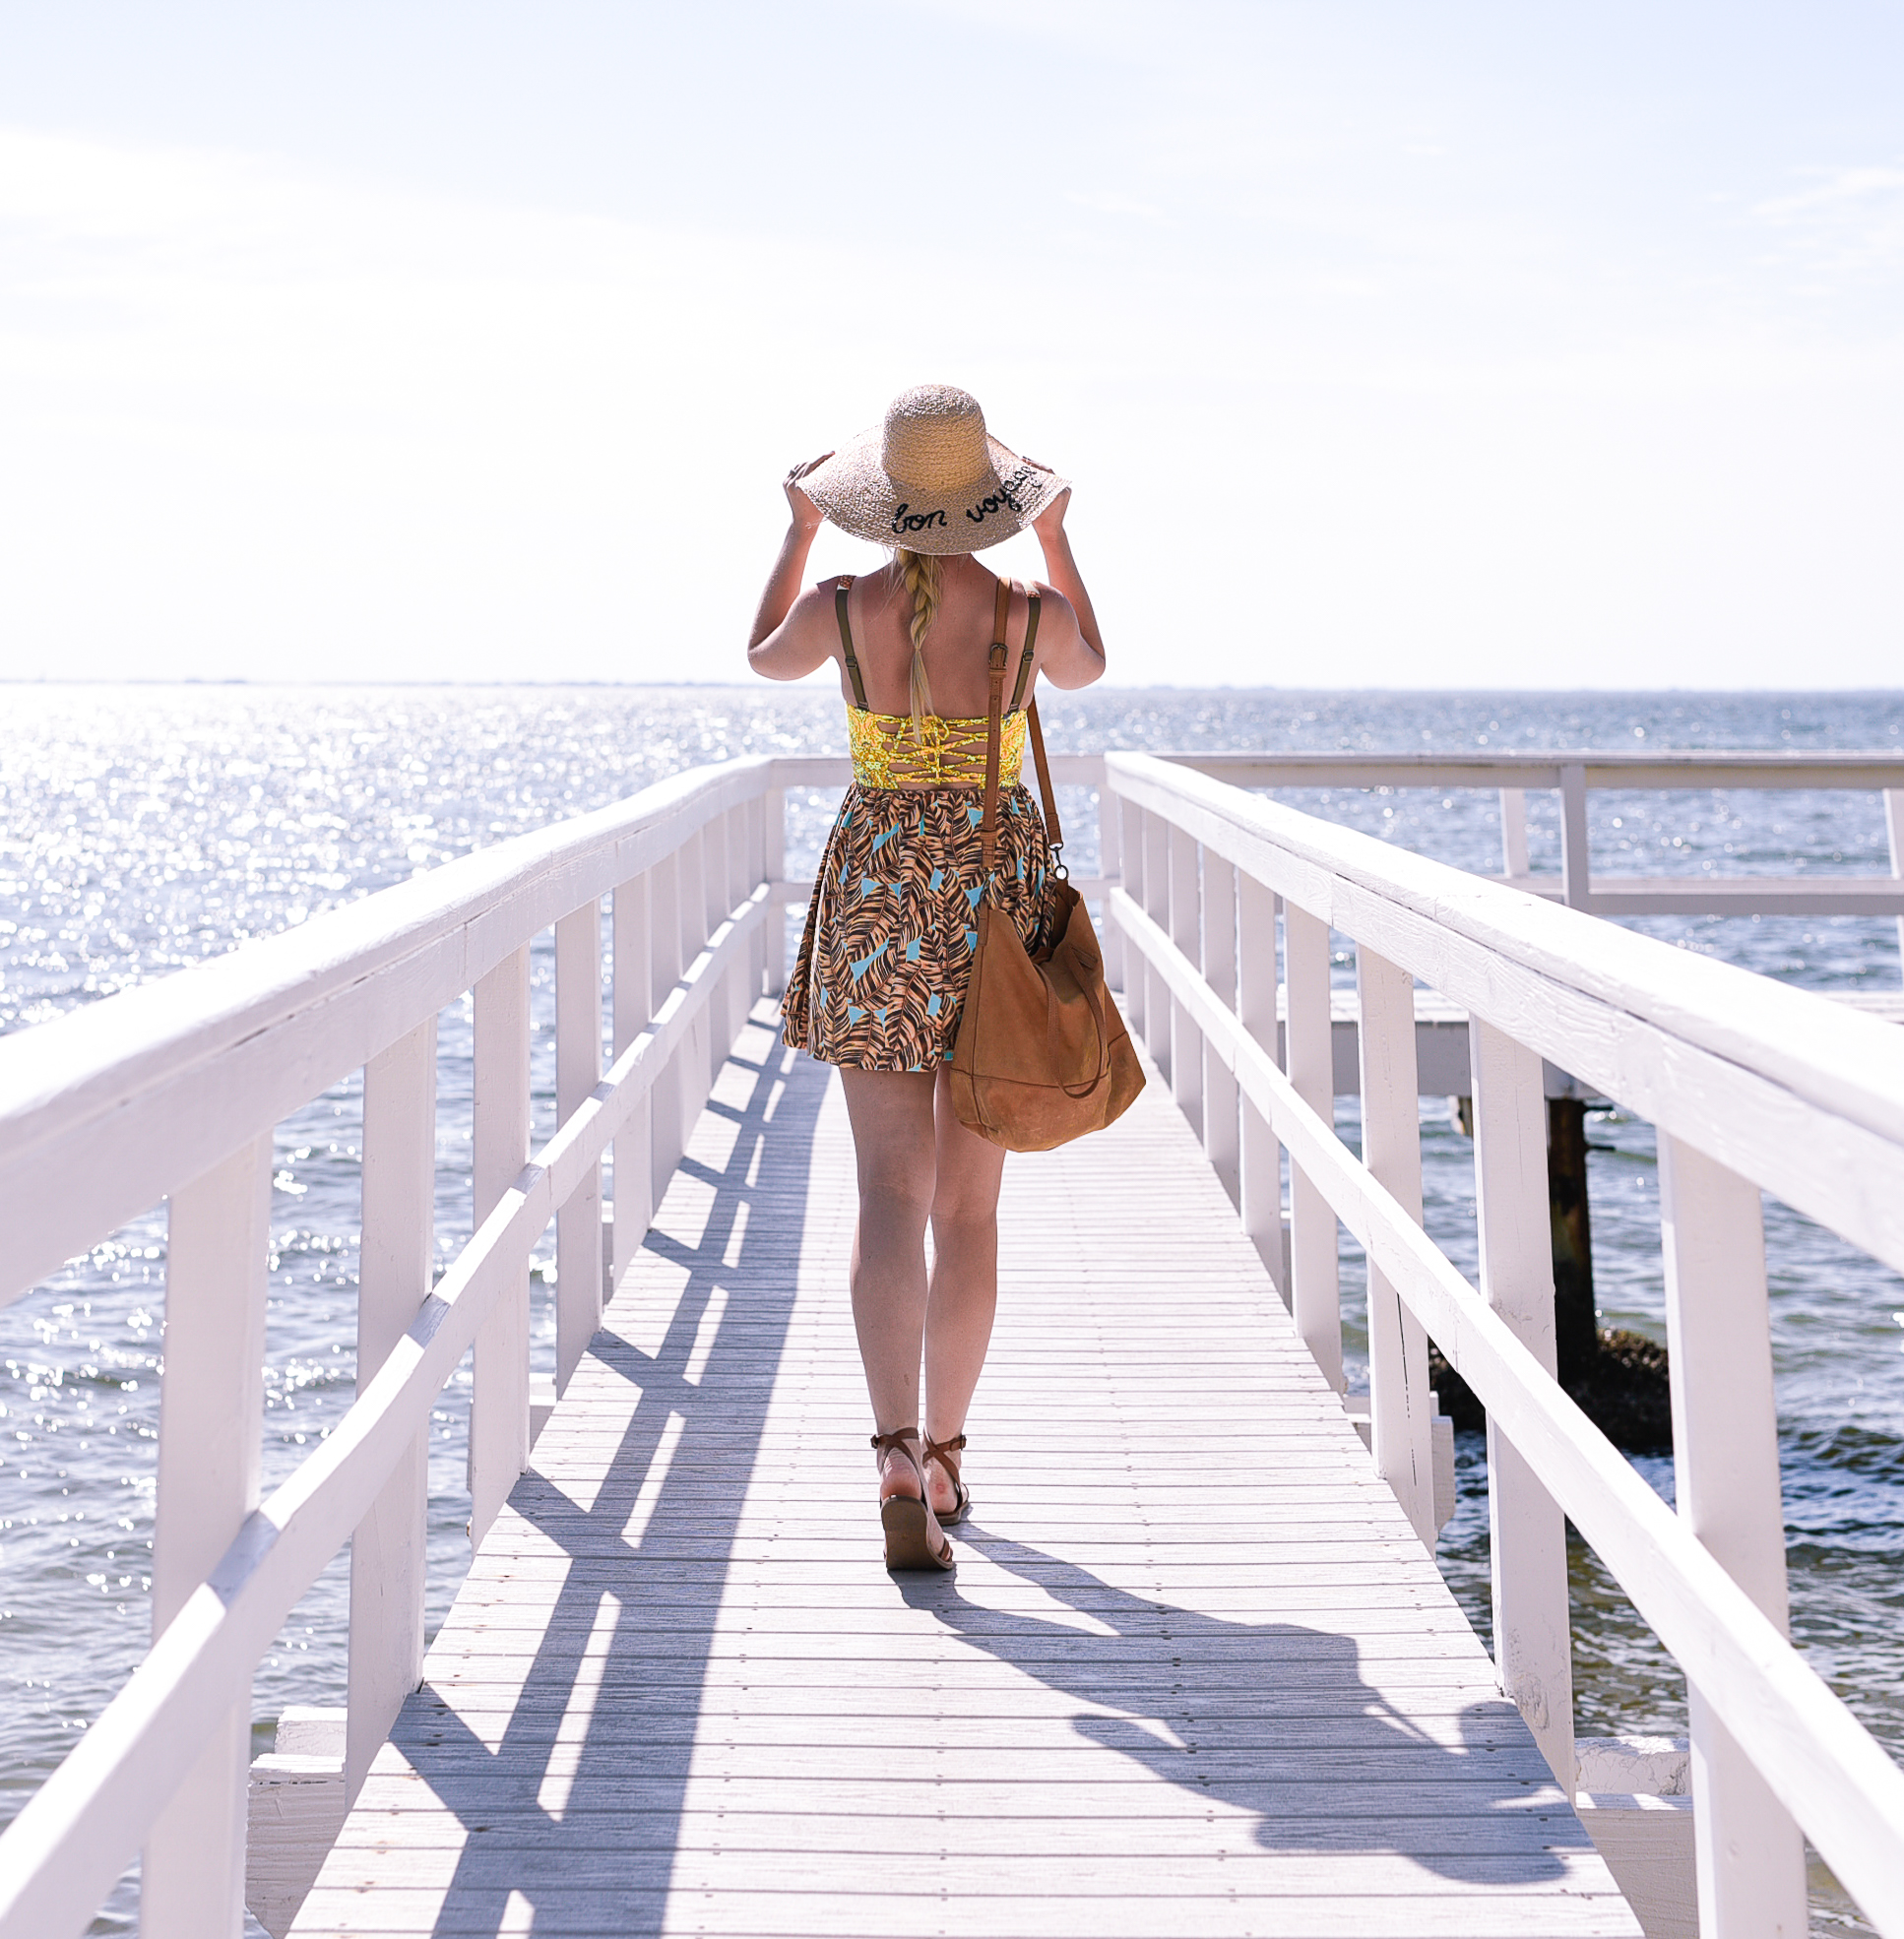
x,y
147,828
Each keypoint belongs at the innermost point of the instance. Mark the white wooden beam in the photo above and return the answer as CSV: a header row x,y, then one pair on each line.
x,y
388,1551
1513,832
578,1070
1894,828
1400,1404
772,935
1575,865
499,1397
632,1003
1136,985
663,969
1219,1084
1111,864
1527,1533
211,1445
1185,927
1260,1183
1157,904
1314,1264
1725,1464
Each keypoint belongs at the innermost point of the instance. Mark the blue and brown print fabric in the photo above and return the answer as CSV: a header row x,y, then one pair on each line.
x,y
883,970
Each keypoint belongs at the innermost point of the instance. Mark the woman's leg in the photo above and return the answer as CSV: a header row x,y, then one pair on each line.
x,y
894,1145
964,1291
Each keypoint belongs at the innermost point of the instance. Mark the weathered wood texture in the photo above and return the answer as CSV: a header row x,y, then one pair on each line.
x,y
1195,1673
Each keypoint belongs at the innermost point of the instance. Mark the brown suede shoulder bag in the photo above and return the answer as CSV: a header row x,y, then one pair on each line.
x,y
1041,1055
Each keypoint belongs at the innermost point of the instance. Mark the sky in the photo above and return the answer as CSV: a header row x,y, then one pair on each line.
x,y
1388,345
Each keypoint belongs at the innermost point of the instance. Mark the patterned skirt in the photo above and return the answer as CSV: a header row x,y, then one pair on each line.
x,y
883,967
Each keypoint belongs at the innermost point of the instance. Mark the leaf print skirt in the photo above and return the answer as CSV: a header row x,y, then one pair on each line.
x,y
883,970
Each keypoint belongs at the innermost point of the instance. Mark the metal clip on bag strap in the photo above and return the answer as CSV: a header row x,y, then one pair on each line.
x,y
995,712
839,593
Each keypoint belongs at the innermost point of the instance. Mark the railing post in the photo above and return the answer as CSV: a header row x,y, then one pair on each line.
x,y
1158,1006
663,971
210,1441
1260,1183
1184,923
634,1202
1220,1137
1314,1268
755,873
388,1551
691,1060
1527,1533
1400,1404
772,868
1111,868
1575,869
1130,819
1513,831
499,1400
1751,1858
1894,826
578,1070
740,983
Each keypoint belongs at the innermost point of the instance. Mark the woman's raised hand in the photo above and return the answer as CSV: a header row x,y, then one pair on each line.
x,y
806,514
1049,523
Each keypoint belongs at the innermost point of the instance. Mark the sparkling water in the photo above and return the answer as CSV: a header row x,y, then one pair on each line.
x,y
146,827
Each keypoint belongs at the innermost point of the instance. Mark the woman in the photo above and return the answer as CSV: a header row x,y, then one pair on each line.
x,y
884,963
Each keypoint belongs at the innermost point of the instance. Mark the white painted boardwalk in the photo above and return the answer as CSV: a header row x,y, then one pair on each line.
x,y
1193,1675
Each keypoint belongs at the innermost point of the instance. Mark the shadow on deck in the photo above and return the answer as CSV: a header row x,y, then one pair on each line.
x,y
678,1693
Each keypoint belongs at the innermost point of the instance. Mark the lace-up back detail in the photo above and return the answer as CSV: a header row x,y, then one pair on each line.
x,y
950,754
893,750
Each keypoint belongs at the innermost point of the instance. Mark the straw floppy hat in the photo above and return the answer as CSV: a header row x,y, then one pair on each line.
x,y
930,478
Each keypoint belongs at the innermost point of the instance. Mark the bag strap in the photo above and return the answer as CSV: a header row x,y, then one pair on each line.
x,y
995,712
1053,834
989,827
839,593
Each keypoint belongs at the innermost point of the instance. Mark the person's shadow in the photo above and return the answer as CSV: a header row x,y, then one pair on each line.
x,y
1276,1720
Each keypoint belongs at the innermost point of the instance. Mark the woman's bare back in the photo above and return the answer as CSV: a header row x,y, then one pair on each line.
x,y
957,648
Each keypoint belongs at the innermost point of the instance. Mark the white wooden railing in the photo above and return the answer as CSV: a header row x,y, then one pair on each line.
x,y
170,1092
1751,1085
1573,777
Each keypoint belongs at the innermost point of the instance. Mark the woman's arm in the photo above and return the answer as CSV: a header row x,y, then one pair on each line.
x,y
1075,655
790,637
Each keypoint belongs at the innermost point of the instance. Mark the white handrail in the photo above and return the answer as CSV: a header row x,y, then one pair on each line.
x,y
1722,1057
106,1111
1735,1068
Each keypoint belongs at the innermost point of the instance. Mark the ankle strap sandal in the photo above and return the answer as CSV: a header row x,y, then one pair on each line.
x,y
908,1522
947,1454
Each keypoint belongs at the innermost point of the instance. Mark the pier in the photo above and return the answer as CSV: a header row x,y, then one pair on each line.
x,y
1197,1671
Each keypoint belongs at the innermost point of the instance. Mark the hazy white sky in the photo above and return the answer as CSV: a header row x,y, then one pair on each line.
x,y
1390,345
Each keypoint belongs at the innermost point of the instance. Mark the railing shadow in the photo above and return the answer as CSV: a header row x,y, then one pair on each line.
x,y
579,1792
1278,1749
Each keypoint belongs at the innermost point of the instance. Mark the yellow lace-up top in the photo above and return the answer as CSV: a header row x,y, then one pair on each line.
x,y
948,750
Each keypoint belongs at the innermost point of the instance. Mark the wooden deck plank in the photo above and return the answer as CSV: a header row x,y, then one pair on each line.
x,y
1193,1675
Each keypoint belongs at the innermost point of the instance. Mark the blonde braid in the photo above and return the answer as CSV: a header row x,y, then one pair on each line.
x,y
919,573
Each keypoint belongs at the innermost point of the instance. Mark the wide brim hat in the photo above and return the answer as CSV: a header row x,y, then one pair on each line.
x,y
930,477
